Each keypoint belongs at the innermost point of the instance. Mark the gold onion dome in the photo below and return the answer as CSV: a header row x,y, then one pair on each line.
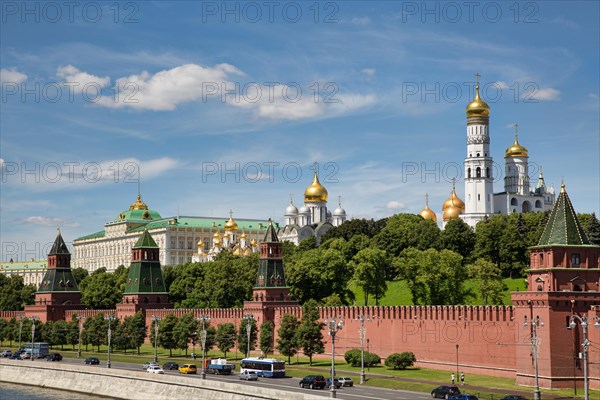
x,y
243,236
478,107
231,225
516,150
200,243
451,212
428,213
139,204
453,201
217,235
315,192
253,242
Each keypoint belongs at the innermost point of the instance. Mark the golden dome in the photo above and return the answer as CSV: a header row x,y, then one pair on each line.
x,y
516,150
427,213
478,107
253,242
227,235
200,243
244,236
139,204
451,212
453,200
217,235
217,243
315,192
231,225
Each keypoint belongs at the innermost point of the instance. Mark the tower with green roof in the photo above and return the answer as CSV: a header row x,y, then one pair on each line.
x,y
145,287
563,280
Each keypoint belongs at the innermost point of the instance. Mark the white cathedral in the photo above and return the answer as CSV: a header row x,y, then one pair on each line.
x,y
313,218
480,199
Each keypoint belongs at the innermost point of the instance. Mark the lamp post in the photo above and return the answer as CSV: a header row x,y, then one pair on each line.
x,y
204,319
20,316
583,321
535,324
155,319
457,362
80,323
333,326
33,319
248,318
362,332
109,318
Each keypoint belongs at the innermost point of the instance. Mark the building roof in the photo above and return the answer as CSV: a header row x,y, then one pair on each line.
x,y
271,235
145,242
59,246
563,227
31,265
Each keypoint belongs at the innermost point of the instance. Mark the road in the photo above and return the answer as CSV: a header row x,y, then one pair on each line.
x,y
356,392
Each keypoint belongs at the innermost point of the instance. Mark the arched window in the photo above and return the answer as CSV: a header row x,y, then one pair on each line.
x,y
487,172
478,172
538,204
469,172
541,260
514,202
526,206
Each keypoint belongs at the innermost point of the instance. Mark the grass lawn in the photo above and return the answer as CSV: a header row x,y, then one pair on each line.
x,y
399,295
413,379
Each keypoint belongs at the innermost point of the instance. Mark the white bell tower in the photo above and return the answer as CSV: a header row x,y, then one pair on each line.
x,y
479,181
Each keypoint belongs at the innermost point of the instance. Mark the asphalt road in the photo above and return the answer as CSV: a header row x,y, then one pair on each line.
x,y
290,384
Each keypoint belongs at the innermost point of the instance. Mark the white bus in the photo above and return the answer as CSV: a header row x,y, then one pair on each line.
x,y
266,367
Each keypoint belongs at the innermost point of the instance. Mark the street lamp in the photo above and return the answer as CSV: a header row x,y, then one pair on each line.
x,y
363,332
457,362
248,318
204,318
333,326
155,319
80,323
33,319
20,316
535,324
109,318
583,321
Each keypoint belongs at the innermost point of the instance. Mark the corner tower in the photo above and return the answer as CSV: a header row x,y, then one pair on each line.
x,y
479,179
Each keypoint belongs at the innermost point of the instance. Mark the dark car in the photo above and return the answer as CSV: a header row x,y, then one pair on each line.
x,y
92,361
15,357
444,392
54,357
336,383
463,396
313,381
513,397
170,366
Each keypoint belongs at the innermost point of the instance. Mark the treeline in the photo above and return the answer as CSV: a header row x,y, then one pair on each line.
x,y
365,253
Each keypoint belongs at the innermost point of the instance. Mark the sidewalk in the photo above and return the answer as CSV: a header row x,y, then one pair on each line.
x,y
466,388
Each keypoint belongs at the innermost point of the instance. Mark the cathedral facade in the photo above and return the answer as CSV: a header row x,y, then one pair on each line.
x,y
480,200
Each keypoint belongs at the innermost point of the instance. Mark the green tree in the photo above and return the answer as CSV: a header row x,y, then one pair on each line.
x,y
166,338
489,281
369,267
266,337
14,295
3,330
488,243
309,243
138,331
592,229
184,330
459,237
309,336
101,290
433,277
225,337
60,333
80,274
242,339
354,227
121,337
287,343
408,230
95,330
400,361
514,253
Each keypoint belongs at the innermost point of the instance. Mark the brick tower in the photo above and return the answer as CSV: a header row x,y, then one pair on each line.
x,y
145,287
563,280
270,290
58,290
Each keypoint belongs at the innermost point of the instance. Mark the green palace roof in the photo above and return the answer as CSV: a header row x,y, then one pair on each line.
x,y
31,265
563,227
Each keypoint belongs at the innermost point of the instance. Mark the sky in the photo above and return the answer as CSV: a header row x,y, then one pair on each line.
x,y
208,107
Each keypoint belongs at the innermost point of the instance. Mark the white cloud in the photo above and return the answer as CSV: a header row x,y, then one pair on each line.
x,y
394,205
73,75
361,20
49,221
543,94
12,76
500,85
368,72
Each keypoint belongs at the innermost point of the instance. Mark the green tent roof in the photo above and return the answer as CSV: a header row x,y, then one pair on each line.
x,y
145,241
59,246
563,227
271,235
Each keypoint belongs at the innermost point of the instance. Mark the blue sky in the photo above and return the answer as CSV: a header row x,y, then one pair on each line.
x,y
375,92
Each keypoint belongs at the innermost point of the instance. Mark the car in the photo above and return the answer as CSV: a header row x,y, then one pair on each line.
x,y
336,383
188,369
313,381
25,355
54,357
513,397
92,361
463,396
170,366
346,381
6,353
248,376
15,357
444,392
149,364
155,369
